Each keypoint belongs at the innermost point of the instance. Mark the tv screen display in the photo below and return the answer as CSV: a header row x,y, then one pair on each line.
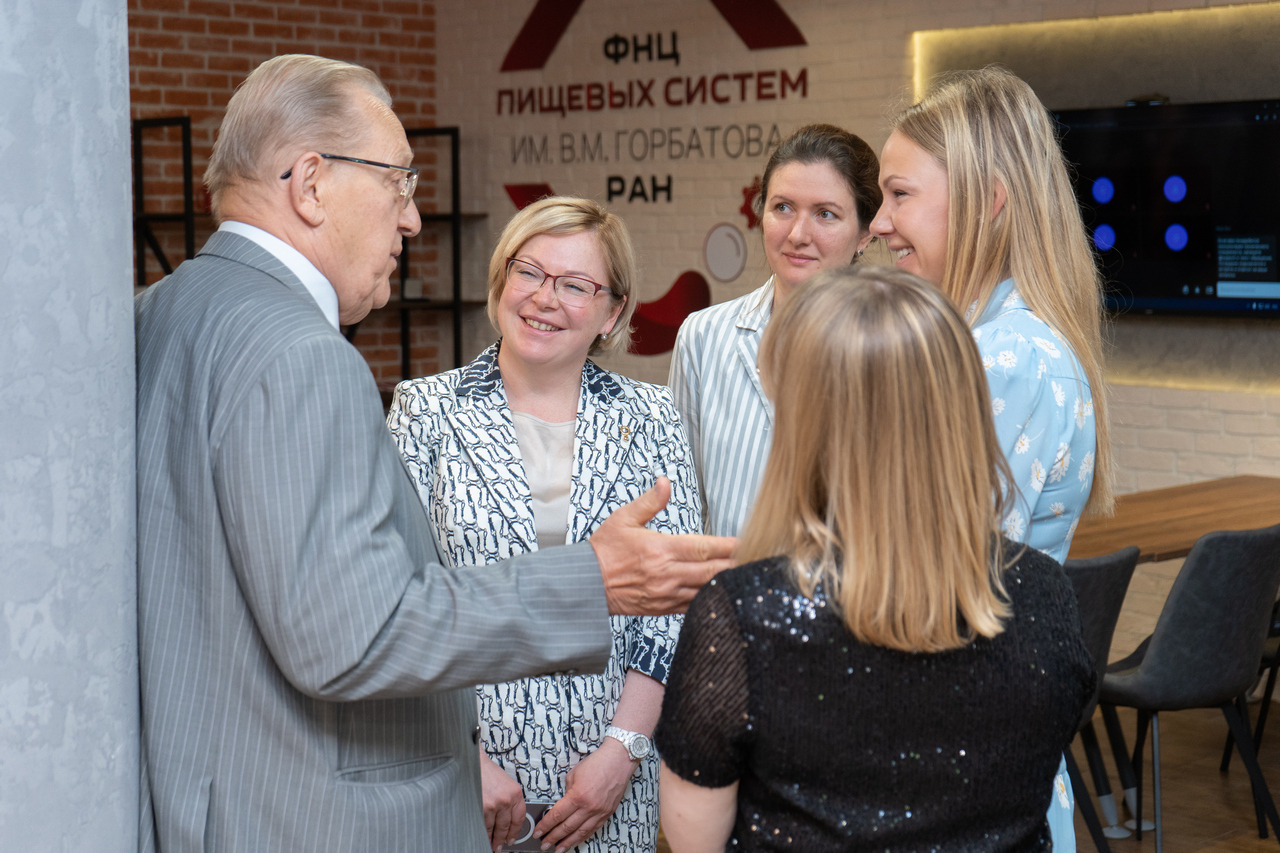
x,y
1182,202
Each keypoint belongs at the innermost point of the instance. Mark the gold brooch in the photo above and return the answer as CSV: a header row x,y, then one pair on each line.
x,y
626,432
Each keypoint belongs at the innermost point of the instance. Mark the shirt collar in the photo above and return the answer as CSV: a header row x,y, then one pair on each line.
x,y
1004,297
756,310
312,279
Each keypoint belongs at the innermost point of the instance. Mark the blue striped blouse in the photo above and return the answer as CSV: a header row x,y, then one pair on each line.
x,y
728,417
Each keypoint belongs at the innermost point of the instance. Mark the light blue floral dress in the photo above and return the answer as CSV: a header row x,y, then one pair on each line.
x,y
1043,409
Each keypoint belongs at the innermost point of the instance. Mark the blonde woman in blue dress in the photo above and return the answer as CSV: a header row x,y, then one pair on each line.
x,y
978,201
533,445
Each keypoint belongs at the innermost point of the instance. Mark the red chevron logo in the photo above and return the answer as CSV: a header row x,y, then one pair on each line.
x,y
761,24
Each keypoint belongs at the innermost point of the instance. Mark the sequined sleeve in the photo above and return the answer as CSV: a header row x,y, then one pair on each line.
x,y
704,726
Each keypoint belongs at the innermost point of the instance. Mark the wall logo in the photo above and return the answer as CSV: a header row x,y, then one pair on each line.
x,y
761,24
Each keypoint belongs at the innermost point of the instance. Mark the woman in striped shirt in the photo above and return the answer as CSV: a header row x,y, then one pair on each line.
x,y
817,198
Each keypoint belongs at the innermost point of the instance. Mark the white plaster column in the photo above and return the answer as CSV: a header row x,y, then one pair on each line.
x,y
68,642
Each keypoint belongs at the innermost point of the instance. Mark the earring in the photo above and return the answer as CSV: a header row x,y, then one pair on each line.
x,y
604,336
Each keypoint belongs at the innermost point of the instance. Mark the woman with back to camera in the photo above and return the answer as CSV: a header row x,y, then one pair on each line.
x,y
886,671
817,197
532,445
977,200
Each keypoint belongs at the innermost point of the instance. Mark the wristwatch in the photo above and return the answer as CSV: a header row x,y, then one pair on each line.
x,y
638,745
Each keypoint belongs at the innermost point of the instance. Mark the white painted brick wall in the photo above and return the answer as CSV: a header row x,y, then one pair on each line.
x,y
859,63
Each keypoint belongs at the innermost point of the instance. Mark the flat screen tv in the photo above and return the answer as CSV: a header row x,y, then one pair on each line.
x,y
1182,202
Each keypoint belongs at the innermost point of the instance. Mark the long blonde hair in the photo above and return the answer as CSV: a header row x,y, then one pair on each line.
x,y
885,481
989,131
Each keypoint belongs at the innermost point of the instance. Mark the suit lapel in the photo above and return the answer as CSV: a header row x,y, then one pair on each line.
x,y
603,439
482,422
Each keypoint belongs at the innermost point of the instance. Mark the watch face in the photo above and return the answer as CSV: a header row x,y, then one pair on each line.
x,y
640,746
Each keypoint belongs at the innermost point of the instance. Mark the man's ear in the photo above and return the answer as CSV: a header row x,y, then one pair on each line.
x,y
1001,196
305,192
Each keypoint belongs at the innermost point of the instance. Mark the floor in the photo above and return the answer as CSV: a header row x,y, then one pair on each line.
x,y
1204,810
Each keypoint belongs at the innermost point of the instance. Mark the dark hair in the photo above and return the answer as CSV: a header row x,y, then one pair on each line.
x,y
851,157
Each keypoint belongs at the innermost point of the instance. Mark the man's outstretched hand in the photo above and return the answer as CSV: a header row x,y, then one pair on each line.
x,y
647,573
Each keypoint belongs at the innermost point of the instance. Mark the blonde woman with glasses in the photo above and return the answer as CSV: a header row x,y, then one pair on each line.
x,y
886,671
532,445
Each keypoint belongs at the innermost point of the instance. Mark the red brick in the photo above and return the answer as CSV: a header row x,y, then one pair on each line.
x,y
256,50
151,97
148,77
317,34
388,38
159,41
404,8
182,59
339,17
256,11
143,21
183,24
185,98
297,15
264,30
208,44
225,27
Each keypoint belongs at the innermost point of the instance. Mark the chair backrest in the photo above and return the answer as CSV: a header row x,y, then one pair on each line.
x,y
1100,584
1208,639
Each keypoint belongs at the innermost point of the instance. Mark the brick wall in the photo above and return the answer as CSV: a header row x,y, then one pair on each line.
x,y
187,56
1169,436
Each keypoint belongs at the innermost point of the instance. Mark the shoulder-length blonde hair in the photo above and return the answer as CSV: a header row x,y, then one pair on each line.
x,y
560,215
885,481
991,133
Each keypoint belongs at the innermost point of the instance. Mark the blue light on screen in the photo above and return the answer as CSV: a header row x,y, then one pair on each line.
x,y
1175,188
1103,190
1104,237
1175,237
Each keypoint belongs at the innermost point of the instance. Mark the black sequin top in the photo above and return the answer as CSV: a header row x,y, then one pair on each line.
x,y
840,745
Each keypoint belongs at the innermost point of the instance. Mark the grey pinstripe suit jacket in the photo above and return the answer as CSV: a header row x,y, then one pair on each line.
x,y
305,658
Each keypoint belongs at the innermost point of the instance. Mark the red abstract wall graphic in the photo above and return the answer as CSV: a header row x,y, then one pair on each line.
x,y
748,208
523,195
760,24
655,323
540,35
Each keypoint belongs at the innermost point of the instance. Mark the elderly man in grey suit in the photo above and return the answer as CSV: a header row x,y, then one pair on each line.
x,y
305,658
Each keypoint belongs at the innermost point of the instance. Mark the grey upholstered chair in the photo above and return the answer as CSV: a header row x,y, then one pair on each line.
x,y
1204,650
1100,584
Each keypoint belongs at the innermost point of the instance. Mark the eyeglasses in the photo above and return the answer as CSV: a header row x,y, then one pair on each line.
x,y
571,290
407,185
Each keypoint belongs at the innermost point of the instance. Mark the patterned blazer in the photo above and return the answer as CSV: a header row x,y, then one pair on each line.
x,y
458,438
307,663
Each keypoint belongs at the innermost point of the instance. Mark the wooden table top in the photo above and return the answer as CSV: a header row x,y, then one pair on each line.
x,y
1165,523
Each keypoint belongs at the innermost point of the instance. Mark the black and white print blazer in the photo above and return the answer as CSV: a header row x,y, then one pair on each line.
x,y
456,434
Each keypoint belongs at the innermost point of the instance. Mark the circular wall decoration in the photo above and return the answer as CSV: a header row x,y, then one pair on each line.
x,y
725,252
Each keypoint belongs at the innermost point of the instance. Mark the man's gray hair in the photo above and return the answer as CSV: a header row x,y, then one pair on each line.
x,y
287,106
